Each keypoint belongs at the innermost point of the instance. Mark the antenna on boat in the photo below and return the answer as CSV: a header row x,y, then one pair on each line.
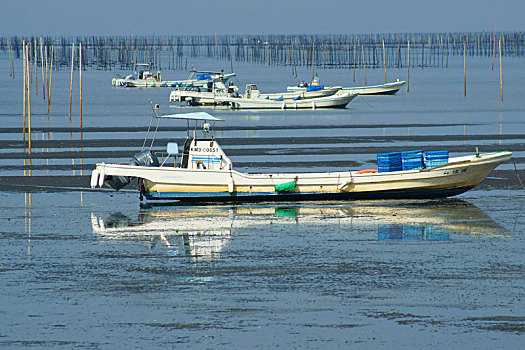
x,y
154,107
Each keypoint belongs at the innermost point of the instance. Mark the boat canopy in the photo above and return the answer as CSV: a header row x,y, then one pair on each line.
x,y
191,116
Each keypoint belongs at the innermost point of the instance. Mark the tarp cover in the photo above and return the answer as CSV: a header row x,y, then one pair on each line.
x,y
286,187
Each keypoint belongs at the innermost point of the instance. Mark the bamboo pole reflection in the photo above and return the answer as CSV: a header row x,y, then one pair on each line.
x,y
27,220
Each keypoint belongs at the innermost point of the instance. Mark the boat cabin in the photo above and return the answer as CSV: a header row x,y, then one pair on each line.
x,y
200,150
251,91
143,72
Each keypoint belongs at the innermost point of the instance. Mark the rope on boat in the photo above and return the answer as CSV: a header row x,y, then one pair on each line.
x,y
516,172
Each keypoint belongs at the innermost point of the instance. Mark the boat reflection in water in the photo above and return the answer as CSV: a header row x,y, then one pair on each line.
x,y
202,232
196,234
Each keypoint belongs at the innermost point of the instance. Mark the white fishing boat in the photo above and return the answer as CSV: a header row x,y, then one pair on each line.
x,y
252,91
382,89
210,94
204,173
254,102
220,94
144,78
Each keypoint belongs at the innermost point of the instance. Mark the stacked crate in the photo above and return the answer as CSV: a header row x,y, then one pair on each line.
x,y
387,162
412,160
435,158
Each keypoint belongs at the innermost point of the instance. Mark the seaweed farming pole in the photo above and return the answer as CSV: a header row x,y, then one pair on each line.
x,y
28,101
398,46
10,62
500,72
364,65
36,69
49,82
464,69
71,83
47,70
24,89
43,75
354,63
494,46
384,59
408,66
313,60
80,77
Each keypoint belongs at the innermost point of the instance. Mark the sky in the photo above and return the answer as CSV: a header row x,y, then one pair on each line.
x,y
174,17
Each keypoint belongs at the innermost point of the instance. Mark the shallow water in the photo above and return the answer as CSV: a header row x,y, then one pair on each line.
x,y
94,269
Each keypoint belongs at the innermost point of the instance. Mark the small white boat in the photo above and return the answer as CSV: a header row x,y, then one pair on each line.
x,y
252,91
144,78
204,173
333,101
219,94
382,89
205,95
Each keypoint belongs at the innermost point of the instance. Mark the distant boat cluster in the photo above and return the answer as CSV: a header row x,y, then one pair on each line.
x,y
204,88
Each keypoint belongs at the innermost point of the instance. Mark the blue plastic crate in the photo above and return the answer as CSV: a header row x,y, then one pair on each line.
x,y
435,158
387,162
411,160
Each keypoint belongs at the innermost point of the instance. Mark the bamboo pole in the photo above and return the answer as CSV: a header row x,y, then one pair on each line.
x,y
10,61
354,63
71,83
43,72
47,70
13,62
50,80
500,72
24,89
28,104
29,62
36,69
231,58
464,69
408,66
384,59
35,61
364,66
80,77
494,46
313,60
398,46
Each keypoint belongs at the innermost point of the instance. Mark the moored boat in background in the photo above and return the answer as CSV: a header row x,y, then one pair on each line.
x,y
381,89
144,78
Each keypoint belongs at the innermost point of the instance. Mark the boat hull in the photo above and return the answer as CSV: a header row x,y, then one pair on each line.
x,y
186,185
334,101
301,197
383,89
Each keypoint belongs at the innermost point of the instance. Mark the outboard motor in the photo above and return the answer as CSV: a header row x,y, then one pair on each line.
x,y
145,158
117,182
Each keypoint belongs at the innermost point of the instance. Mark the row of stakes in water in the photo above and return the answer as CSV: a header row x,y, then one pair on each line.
x,y
410,160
